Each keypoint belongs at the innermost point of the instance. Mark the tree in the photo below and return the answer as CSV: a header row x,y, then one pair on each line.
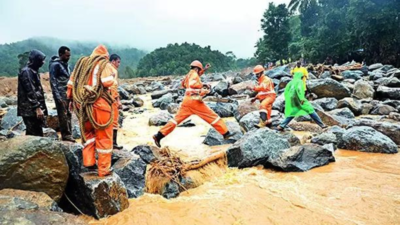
x,y
294,5
275,43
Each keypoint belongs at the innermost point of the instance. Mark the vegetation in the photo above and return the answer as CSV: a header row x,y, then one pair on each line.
x,y
176,58
14,56
340,29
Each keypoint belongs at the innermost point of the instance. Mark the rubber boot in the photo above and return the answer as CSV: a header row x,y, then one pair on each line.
x,y
115,144
157,139
228,135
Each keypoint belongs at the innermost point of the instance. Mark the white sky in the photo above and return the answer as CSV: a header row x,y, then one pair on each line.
x,y
146,24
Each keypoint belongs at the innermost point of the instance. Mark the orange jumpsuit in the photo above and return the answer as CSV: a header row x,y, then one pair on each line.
x,y
98,140
191,106
115,95
266,94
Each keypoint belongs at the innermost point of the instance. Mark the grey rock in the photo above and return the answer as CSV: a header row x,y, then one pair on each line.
x,y
132,173
123,94
343,112
249,121
327,104
38,217
337,131
387,92
52,120
11,199
325,138
352,74
291,138
328,88
363,90
50,133
222,88
35,164
223,109
160,119
302,158
159,94
147,153
283,82
367,139
279,103
173,108
244,108
255,148
353,104
392,130
214,138
163,102
382,109
11,120
326,74
375,66
279,72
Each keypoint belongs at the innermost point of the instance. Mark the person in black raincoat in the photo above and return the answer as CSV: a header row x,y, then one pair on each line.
x,y
59,78
31,100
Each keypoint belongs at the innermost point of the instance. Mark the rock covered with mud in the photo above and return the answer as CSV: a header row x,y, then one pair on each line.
x,y
35,164
214,138
367,139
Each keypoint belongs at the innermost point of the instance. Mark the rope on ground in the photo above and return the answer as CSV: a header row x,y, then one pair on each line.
x,y
69,200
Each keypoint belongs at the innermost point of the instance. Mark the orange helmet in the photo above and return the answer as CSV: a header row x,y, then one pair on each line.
x,y
258,69
197,63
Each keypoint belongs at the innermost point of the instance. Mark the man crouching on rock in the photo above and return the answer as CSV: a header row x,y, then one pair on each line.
x,y
89,91
31,102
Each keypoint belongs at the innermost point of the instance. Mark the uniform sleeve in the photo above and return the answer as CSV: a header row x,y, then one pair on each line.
x,y
54,71
107,76
27,84
305,72
195,82
259,87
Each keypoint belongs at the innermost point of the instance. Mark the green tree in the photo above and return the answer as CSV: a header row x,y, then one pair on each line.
x,y
275,43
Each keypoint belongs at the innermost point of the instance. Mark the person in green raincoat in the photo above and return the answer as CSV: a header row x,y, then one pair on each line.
x,y
296,103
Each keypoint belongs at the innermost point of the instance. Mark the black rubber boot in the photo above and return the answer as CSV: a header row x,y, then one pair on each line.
x,y
227,135
115,144
157,139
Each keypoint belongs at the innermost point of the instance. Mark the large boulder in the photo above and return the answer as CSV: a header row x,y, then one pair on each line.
x,y
343,112
123,94
309,127
367,139
240,88
146,152
102,196
246,107
353,104
352,74
223,109
154,86
11,199
173,108
279,72
363,90
50,133
391,82
222,88
387,92
331,120
34,164
159,94
160,119
12,121
327,104
255,148
302,158
375,66
163,102
214,138
382,109
137,102
392,130
132,172
249,121
325,138
283,82
337,131
328,88
291,138
131,89
39,217
279,103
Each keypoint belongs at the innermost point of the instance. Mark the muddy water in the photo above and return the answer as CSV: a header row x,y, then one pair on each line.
x,y
359,188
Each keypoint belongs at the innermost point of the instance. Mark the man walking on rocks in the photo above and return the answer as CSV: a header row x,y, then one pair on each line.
x,y
303,71
296,103
31,102
266,95
115,61
59,78
193,105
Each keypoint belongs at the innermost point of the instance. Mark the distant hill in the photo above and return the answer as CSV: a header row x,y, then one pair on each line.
x,y
9,62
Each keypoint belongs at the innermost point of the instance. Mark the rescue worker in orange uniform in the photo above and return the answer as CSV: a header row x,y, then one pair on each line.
x,y
115,60
100,140
266,95
192,104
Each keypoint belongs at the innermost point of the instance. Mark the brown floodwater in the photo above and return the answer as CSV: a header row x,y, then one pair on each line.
x,y
359,188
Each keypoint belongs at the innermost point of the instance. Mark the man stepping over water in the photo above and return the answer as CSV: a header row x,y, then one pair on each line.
x,y
193,105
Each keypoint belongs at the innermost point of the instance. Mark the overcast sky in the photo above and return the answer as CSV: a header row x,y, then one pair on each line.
x,y
225,25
